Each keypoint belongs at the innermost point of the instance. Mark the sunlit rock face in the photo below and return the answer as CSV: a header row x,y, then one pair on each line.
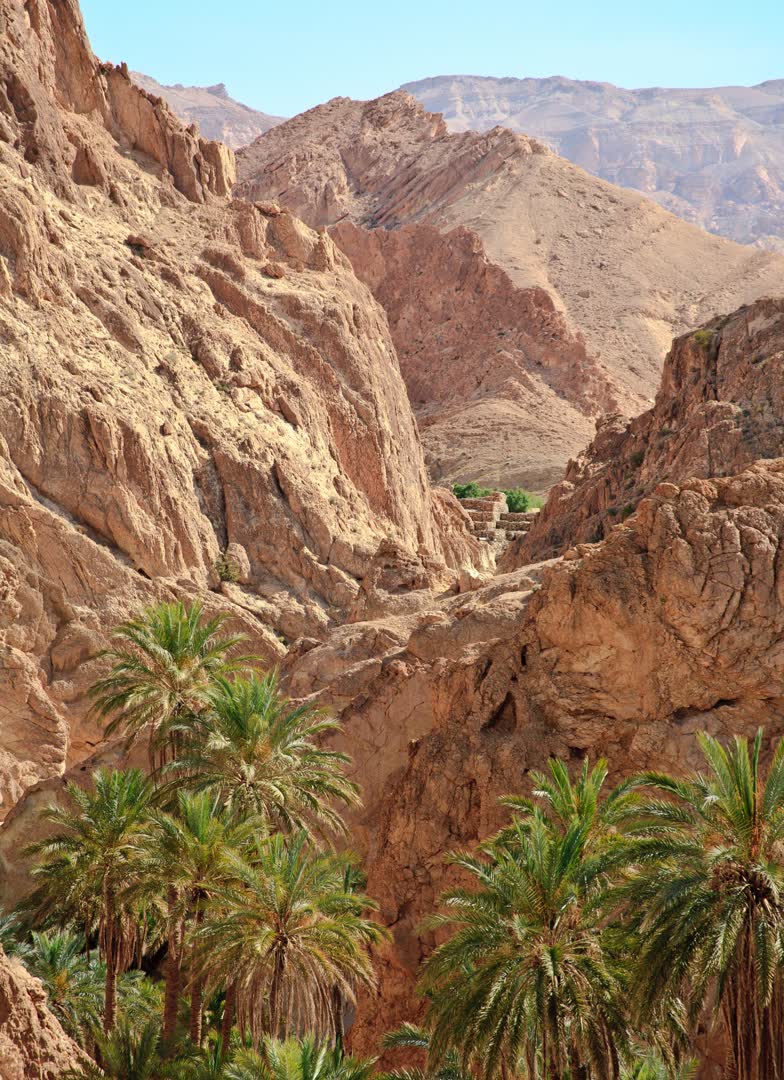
x,y
183,374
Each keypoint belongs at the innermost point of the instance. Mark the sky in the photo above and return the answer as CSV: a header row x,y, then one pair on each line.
x,y
283,57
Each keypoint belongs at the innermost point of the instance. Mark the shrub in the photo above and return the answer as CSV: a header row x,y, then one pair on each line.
x,y
471,490
637,458
703,338
226,568
627,511
517,500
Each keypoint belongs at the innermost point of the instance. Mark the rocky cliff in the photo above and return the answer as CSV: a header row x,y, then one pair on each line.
x,y
183,376
33,1046
719,409
626,647
714,156
621,275
218,116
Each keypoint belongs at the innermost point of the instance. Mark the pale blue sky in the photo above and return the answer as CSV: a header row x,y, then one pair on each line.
x,y
284,57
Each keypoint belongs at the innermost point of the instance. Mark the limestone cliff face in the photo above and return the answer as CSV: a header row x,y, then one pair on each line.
x,y
622,275
180,373
720,408
33,1046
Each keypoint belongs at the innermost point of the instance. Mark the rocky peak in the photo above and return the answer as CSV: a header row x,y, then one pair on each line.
x,y
217,114
52,90
719,409
467,239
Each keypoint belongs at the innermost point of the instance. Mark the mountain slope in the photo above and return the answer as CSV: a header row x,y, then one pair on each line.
x,y
712,156
219,116
624,274
185,378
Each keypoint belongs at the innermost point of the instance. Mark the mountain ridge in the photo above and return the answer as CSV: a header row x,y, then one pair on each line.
x,y
714,155
218,115
623,275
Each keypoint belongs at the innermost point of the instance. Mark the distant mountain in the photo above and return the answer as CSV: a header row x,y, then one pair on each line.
x,y
218,116
714,157
526,298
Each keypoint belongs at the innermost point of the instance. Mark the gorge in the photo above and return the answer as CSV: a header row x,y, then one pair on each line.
x,y
240,383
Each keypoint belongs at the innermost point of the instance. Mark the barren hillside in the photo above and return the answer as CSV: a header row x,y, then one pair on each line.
x,y
624,274
713,156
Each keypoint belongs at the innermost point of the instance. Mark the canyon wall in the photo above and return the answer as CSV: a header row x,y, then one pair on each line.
x,y
184,376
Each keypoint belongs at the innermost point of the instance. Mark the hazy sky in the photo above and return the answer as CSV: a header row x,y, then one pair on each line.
x,y
283,57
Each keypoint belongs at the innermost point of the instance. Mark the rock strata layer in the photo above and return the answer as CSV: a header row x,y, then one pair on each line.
x,y
714,156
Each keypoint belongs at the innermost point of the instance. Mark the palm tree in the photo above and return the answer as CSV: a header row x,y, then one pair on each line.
x,y
86,866
125,1054
297,1059
162,666
286,933
185,857
260,754
12,936
653,1067
410,1037
74,985
526,977
198,1064
706,897
583,800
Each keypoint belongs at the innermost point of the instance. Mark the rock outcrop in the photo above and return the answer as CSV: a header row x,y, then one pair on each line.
x,y
218,116
182,375
501,388
713,156
626,648
720,408
33,1046
585,283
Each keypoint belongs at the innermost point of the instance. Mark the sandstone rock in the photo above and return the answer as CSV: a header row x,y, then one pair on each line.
x,y
237,558
33,1046
488,366
720,408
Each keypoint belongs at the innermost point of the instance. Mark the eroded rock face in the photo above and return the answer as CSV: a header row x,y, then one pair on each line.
x,y
621,274
33,1046
625,649
182,376
487,365
720,407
